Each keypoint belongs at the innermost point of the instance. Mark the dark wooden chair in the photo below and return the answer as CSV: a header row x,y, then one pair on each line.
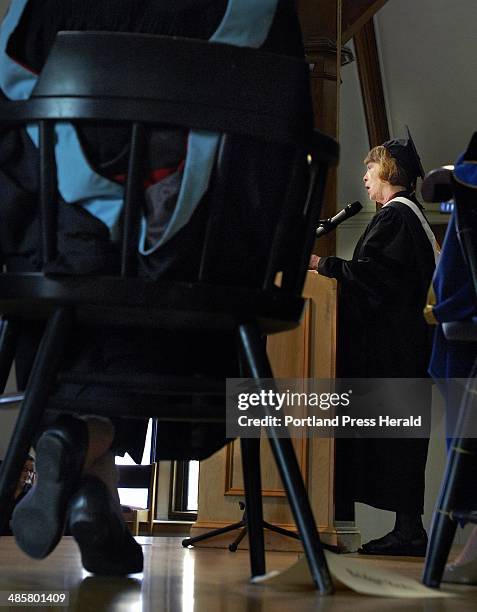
x,y
457,501
154,81
139,477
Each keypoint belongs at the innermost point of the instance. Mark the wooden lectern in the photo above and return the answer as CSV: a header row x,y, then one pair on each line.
x,y
306,352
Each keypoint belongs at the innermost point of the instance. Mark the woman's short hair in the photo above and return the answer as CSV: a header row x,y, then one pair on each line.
x,y
389,169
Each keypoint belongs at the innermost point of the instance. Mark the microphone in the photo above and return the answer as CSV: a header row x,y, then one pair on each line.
x,y
326,225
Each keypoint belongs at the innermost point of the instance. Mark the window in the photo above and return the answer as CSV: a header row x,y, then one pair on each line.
x,y
184,483
184,490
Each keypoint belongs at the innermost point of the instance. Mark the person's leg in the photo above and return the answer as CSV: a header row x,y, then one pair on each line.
x,y
464,568
104,468
408,538
77,477
95,517
61,451
409,525
469,552
68,448
100,439
96,522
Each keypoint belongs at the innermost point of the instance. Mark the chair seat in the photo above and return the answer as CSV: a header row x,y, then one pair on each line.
x,y
132,513
465,331
137,406
139,302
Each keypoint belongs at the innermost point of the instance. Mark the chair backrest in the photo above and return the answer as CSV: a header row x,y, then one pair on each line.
x,y
136,476
160,81
141,477
465,197
448,183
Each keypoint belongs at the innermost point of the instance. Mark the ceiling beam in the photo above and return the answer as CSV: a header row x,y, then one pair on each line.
x,y
369,71
355,13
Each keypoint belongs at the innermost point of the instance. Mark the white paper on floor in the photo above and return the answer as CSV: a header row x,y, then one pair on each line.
x,y
354,574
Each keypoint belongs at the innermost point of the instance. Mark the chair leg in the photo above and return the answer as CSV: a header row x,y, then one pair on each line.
x,y
440,541
135,523
45,367
285,458
9,330
150,522
457,490
253,502
456,494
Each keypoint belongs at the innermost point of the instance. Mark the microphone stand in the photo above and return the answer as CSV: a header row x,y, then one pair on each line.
x,y
242,525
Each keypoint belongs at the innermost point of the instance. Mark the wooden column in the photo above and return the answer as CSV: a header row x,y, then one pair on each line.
x,y
321,25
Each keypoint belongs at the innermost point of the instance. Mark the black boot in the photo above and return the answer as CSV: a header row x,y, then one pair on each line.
x,y
106,544
39,518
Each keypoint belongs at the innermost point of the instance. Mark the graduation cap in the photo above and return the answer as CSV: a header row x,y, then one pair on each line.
x,y
405,153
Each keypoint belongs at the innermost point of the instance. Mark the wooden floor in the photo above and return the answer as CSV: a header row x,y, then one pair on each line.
x,y
197,580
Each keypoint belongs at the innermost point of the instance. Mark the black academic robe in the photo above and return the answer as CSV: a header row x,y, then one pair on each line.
x,y
382,334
